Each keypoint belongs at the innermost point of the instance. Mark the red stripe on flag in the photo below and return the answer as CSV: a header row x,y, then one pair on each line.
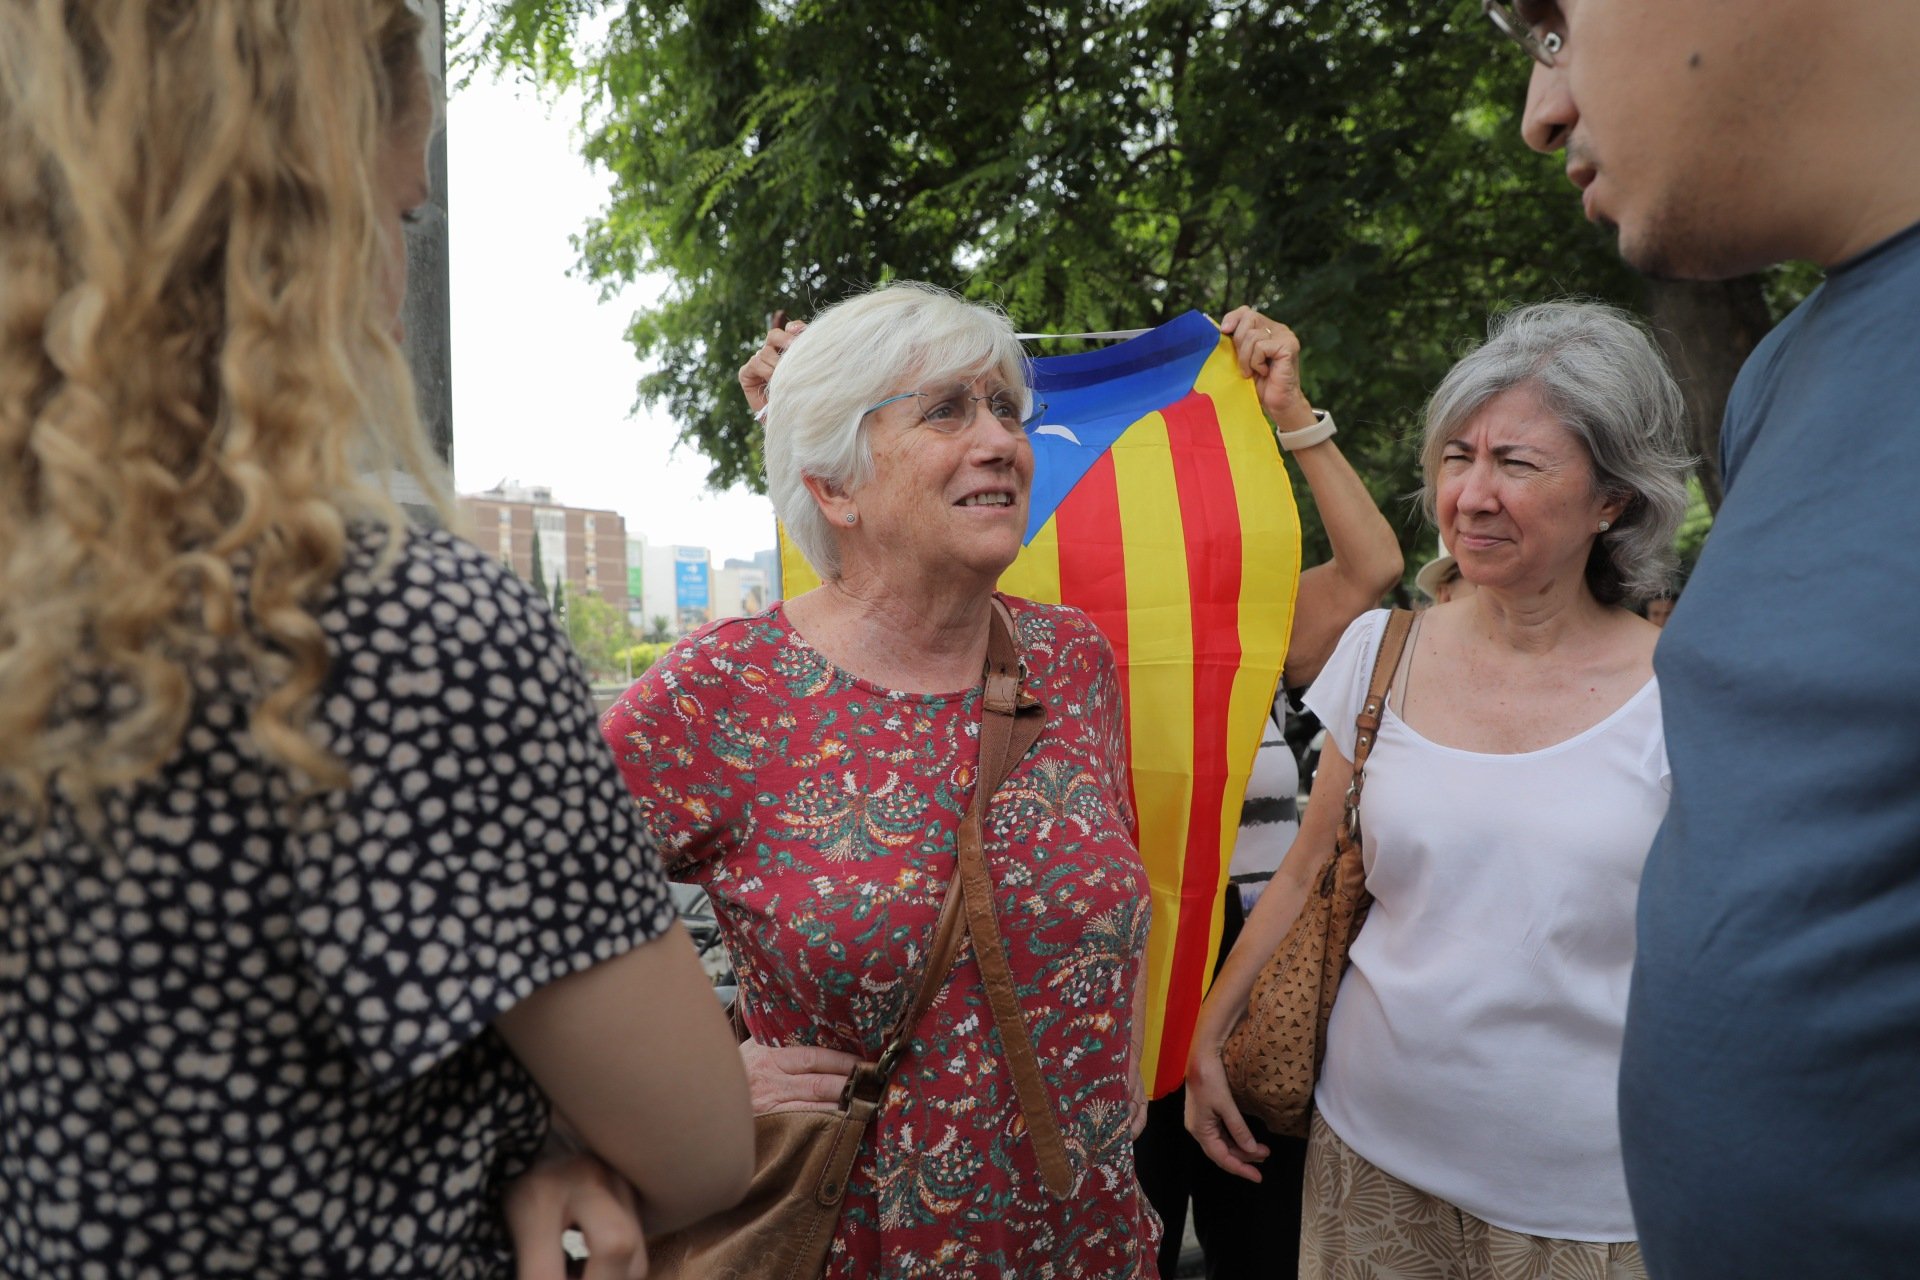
x,y
1210,511
1093,571
1093,579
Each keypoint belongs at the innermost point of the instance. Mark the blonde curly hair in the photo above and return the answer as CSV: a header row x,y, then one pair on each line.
x,y
198,387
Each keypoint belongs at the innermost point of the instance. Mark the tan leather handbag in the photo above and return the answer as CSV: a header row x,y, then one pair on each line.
x,y
1272,1056
784,1227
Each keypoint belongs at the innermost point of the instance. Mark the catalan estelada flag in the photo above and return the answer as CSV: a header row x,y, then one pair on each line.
x,y
1161,507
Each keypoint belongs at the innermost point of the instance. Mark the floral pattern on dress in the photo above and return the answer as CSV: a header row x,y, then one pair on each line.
x,y
820,813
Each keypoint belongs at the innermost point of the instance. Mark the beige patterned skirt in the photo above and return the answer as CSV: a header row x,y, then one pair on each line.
x,y
1358,1223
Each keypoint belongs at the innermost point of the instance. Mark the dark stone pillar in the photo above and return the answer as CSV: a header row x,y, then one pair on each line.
x,y
428,308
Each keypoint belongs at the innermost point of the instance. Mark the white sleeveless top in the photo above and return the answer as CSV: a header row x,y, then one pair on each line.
x,y
1474,1050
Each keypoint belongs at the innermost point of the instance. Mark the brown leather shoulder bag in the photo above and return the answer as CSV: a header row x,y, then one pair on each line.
x,y
1272,1056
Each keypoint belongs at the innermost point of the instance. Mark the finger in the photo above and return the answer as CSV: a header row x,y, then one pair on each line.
x,y
1235,1126
1255,333
1234,319
1221,1154
810,1087
611,1228
782,1108
536,1216
778,340
807,1059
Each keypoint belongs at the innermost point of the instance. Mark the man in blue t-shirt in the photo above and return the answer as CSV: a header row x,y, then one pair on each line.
x,y
1770,1092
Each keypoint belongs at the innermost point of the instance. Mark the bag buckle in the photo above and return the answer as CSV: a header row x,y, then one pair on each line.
x,y
873,1077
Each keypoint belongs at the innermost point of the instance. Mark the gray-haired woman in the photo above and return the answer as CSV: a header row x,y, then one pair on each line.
x,y
809,767
1465,1119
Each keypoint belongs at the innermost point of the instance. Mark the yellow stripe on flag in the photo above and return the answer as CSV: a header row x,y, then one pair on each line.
x,y
1160,710
1269,577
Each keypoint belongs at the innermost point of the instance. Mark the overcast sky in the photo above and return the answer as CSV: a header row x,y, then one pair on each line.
x,y
543,377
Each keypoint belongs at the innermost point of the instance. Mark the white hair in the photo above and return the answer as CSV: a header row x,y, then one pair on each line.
x,y
851,356
1598,371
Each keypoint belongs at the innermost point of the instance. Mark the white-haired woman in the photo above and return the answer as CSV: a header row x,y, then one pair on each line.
x,y
810,767
1465,1120
316,888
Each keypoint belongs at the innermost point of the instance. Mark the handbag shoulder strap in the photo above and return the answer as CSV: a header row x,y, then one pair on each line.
x,y
1367,723
1010,734
1011,720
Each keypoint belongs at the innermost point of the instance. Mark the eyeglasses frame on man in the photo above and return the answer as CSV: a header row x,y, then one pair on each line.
x,y
1541,48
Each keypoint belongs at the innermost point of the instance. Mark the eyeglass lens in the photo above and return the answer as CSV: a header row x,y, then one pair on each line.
x,y
952,408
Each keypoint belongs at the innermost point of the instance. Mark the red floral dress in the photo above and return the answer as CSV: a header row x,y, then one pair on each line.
x,y
820,813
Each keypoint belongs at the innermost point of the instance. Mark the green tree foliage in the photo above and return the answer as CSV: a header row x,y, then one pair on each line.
x,y
643,655
600,635
539,579
1352,166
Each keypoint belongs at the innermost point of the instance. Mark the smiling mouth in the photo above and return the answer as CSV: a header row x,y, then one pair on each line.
x,y
986,500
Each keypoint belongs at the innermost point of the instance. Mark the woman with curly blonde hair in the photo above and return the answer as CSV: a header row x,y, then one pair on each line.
x,y
317,892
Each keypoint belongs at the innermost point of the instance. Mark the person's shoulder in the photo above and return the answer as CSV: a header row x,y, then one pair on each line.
x,y
431,637
1040,619
1751,389
424,568
1362,635
726,658
1352,658
401,591
1058,630
725,643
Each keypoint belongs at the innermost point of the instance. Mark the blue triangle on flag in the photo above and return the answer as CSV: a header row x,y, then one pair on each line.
x,y
1092,397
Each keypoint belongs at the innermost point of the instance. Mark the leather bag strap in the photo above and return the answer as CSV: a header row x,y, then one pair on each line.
x,y
1367,723
1010,722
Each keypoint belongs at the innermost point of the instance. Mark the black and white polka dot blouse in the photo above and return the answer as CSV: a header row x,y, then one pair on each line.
x,y
236,1041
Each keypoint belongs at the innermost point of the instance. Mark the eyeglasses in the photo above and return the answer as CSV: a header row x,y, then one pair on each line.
x,y
1540,47
951,411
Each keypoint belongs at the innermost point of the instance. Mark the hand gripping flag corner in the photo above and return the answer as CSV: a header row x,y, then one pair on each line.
x,y
1161,507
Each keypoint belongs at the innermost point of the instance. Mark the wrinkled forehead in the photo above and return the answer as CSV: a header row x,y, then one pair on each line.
x,y
1510,416
977,377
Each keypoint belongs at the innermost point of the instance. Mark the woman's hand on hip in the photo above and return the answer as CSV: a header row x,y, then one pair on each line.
x,y
1215,1122
755,372
795,1077
1269,353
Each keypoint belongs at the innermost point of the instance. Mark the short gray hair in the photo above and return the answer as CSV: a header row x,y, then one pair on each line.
x,y
1598,371
850,356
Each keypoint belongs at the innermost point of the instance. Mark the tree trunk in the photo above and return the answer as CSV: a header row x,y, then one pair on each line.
x,y
1707,331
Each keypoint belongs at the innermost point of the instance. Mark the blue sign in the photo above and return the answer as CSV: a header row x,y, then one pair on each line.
x,y
692,584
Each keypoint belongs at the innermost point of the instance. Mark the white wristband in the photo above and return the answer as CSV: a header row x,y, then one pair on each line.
x,y
1306,437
